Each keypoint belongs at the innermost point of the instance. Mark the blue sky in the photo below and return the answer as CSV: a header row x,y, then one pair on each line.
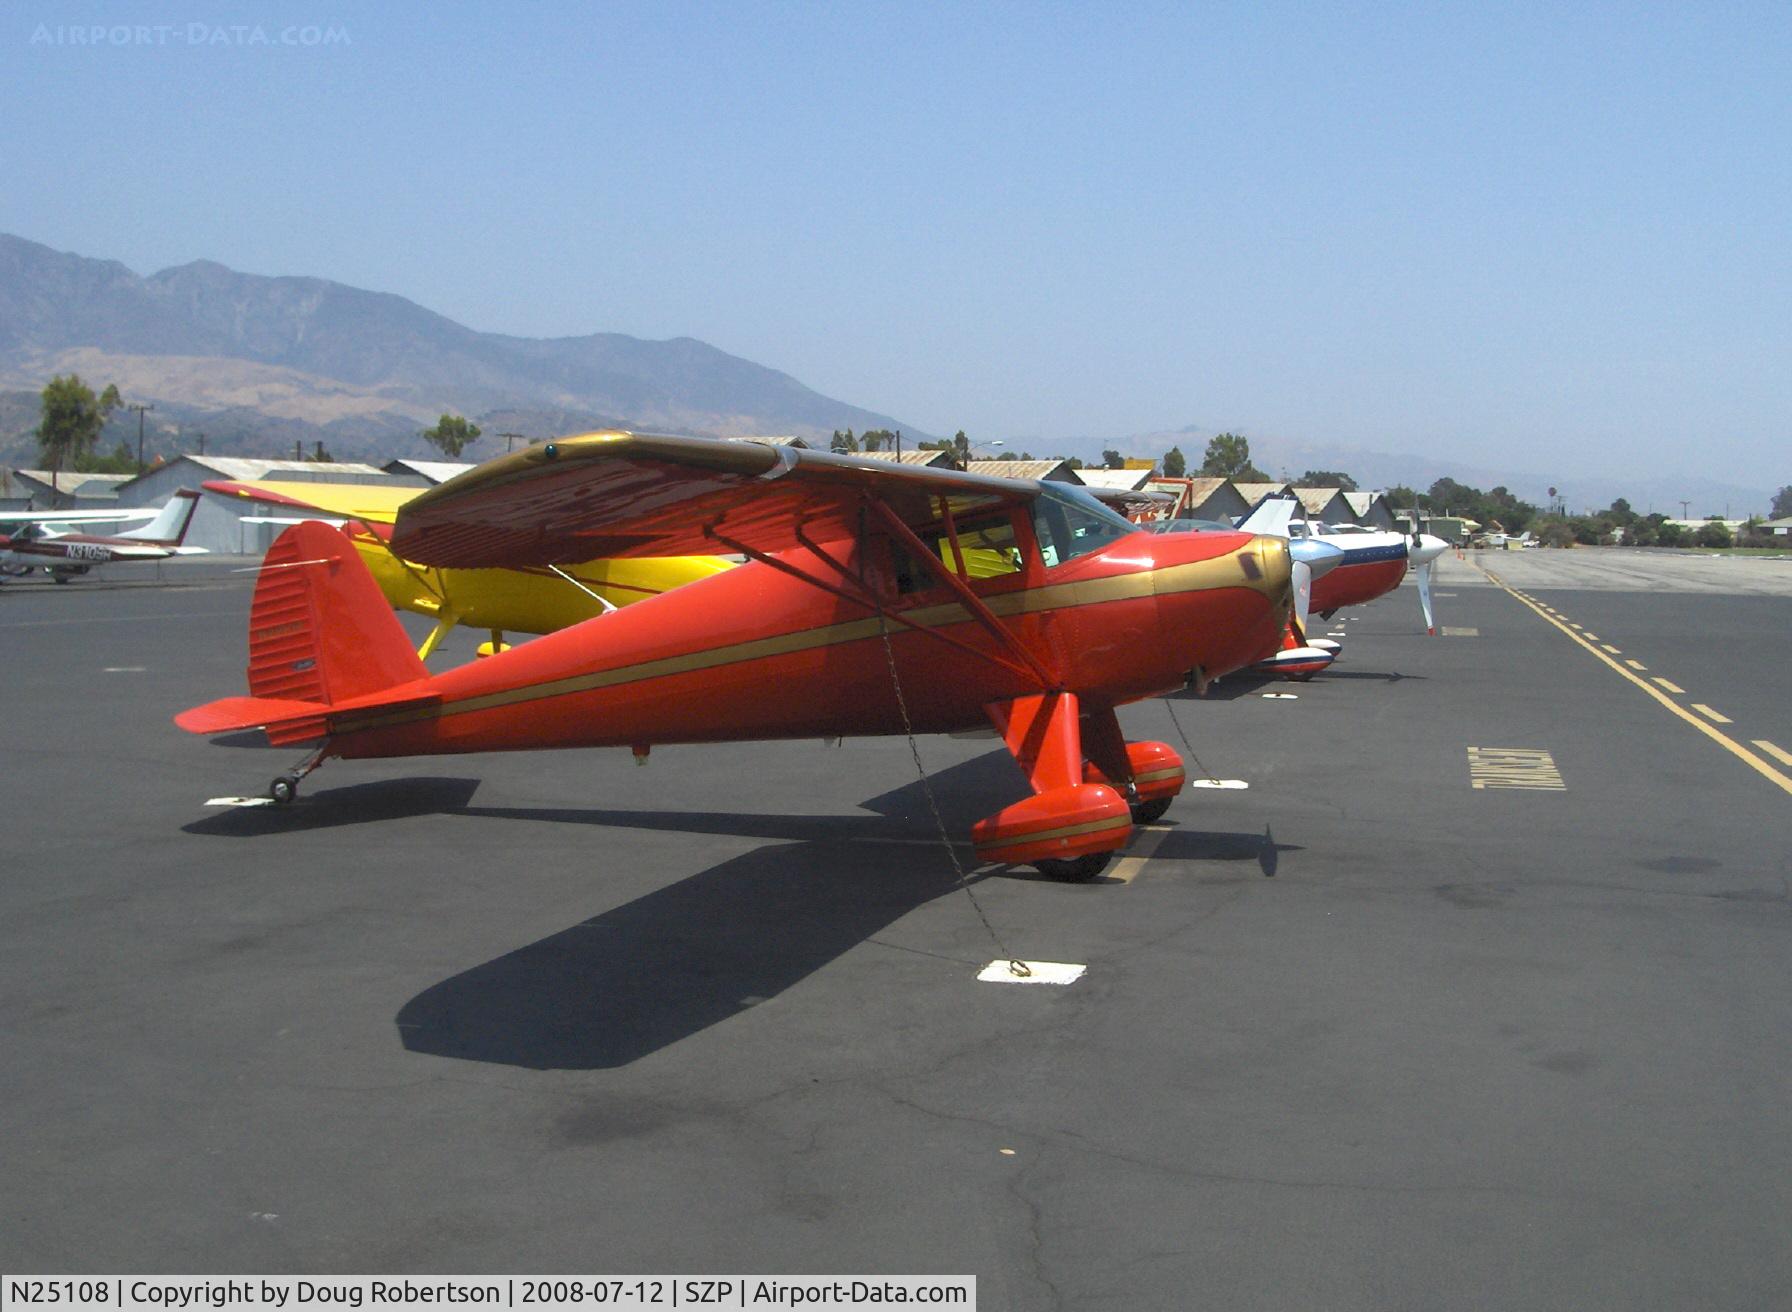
x,y
1549,238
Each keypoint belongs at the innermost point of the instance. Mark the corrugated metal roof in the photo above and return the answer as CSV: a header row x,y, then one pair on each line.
x,y
1126,480
1255,492
248,467
1200,489
1359,502
922,458
1316,499
1017,468
786,439
75,483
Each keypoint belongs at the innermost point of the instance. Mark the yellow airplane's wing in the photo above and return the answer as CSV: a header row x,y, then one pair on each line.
x,y
367,502
538,600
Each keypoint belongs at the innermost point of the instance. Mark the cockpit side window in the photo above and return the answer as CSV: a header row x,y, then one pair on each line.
x,y
989,544
1069,523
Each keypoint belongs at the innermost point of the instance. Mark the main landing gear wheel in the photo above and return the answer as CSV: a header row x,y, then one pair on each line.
x,y
284,789
1143,813
1074,870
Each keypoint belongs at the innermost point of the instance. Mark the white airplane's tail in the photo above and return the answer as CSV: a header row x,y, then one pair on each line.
x,y
1272,515
169,528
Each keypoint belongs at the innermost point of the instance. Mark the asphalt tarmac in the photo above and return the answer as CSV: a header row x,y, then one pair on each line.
x,y
1361,1036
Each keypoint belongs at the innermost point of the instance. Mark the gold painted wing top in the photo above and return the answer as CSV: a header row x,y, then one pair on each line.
x,y
623,494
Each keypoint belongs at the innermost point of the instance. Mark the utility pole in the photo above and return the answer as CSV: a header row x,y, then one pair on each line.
x,y
139,407
201,443
1683,506
510,440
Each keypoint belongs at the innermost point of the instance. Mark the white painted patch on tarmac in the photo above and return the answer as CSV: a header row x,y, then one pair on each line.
x,y
1038,972
1217,783
125,669
1281,696
1460,631
239,801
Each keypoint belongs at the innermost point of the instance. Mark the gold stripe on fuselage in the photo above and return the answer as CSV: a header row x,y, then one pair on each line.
x,y
1197,576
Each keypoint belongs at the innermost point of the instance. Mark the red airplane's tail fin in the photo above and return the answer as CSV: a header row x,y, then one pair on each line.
x,y
320,634
319,629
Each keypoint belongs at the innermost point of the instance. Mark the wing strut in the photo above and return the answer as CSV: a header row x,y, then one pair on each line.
x,y
869,603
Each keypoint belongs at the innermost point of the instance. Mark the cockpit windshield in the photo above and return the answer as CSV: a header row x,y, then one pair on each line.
x,y
1189,526
1069,522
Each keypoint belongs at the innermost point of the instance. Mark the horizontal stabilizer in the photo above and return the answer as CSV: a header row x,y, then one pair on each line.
x,y
285,720
230,714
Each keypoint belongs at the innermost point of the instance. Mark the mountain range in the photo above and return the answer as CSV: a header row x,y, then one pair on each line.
x,y
259,363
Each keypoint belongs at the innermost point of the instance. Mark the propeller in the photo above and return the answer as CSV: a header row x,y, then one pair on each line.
x,y
1423,554
1303,593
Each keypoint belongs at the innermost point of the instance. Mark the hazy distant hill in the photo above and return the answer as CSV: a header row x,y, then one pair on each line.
x,y
259,362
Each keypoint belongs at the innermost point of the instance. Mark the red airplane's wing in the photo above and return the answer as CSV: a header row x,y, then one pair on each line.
x,y
622,494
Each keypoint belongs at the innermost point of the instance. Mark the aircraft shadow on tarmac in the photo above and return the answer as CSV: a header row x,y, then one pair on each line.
x,y
640,977
637,978
1235,686
330,808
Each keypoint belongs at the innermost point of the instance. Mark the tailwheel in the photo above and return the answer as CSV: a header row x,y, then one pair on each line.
x,y
1143,813
1074,870
284,789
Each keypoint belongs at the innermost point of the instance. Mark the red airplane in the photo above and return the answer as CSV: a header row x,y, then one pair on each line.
x,y
47,543
877,599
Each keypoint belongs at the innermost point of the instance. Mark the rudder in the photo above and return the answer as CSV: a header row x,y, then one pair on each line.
x,y
319,628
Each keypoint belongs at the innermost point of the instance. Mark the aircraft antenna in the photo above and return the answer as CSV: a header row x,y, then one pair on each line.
x,y
1016,966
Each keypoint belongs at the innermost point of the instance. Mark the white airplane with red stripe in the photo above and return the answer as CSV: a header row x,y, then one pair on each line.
x,y
50,543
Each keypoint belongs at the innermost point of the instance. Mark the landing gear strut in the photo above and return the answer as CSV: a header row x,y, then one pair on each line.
x,y
285,787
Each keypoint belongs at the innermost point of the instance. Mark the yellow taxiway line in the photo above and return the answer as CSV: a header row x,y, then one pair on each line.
x,y
1142,851
1711,731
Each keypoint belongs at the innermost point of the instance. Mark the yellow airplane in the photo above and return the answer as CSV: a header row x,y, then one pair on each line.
x,y
523,600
